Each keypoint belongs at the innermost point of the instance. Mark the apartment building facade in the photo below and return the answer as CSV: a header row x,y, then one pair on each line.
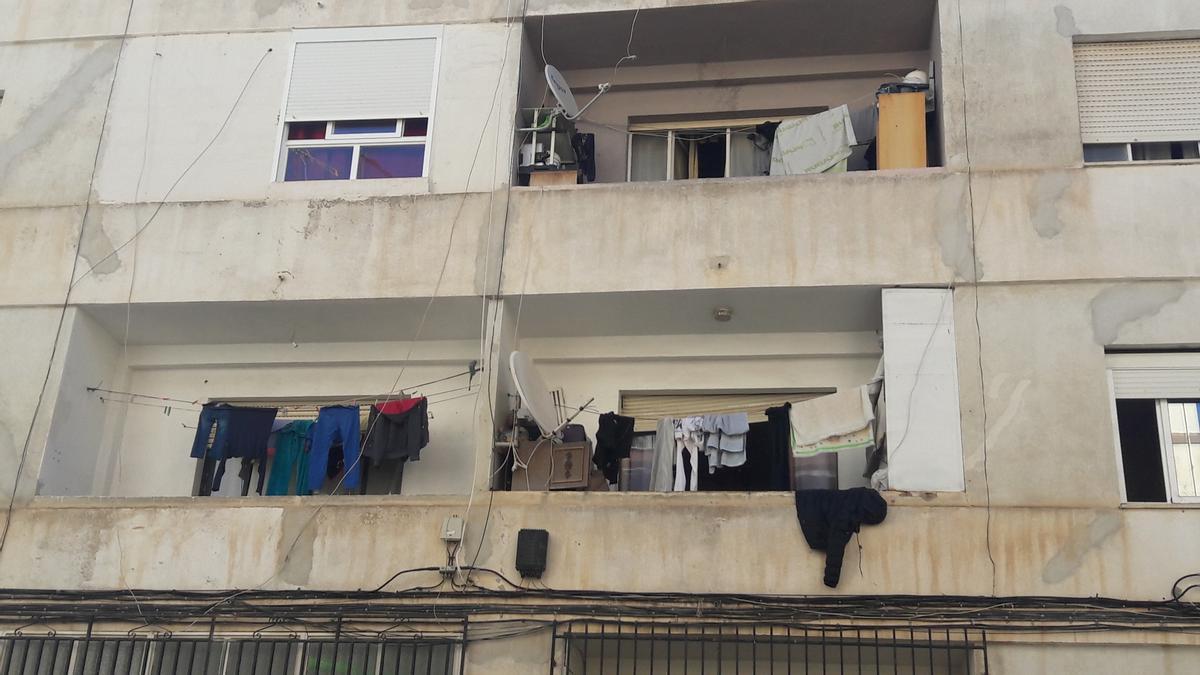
x,y
297,204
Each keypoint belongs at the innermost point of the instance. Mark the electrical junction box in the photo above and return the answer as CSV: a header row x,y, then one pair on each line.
x,y
531,552
453,529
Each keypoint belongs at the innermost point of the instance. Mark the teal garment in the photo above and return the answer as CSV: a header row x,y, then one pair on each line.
x,y
290,466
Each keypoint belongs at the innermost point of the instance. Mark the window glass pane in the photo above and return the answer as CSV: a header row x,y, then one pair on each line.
x,y
306,131
1141,453
682,159
746,158
1105,152
1190,150
391,161
1185,444
1144,152
704,150
318,163
365,127
417,126
649,161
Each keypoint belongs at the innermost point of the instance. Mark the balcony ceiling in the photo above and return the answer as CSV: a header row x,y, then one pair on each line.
x,y
755,310
735,32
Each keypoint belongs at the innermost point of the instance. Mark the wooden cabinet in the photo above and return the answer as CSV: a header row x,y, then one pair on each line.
x,y
902,143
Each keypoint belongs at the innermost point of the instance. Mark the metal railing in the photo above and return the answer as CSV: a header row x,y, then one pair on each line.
x,y
53,654
603,648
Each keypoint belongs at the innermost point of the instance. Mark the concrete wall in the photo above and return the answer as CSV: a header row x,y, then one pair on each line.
x,y
93,358
598,541
1097,659
1020,80
1053,262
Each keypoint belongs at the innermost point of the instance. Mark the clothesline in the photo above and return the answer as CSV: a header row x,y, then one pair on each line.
x,y
131,394
149,405
469,390
472,371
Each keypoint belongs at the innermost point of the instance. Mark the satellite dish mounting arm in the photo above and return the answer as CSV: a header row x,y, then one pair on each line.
x,y
604,88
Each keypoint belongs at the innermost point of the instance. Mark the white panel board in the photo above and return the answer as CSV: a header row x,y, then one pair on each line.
x,y
921,377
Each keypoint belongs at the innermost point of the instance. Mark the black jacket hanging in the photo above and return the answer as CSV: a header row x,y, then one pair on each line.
x,y
829,518
614,440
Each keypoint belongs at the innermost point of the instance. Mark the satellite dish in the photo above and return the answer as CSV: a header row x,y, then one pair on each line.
x,y
534,392
567,106
562,92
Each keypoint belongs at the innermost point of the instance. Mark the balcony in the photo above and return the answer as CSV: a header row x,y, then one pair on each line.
x,y
705,92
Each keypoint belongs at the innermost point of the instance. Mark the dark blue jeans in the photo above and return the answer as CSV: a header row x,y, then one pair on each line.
x,y
335,424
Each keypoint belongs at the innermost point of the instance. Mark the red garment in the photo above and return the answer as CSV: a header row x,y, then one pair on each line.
x,y
399,407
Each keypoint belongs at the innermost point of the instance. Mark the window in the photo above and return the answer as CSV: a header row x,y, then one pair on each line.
x,y
1139,101
355,149
1156,404
690,149
359,104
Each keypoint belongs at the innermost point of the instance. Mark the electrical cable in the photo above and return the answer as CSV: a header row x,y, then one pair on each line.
x,y
629,56
397,575
496,310
987,486
162,202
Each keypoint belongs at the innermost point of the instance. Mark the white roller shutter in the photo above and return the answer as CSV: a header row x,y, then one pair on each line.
x,y
1132,92
1156,383
362,79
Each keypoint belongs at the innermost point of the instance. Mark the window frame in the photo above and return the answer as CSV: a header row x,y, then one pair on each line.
x,y
1165,361
1168,454
355,141
364,34
1129,154
728,125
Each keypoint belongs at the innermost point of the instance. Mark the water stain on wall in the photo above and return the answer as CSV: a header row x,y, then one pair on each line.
x,y
1117,306
48,117
1077,546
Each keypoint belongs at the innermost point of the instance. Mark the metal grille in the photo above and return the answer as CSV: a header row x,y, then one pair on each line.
x,y
52,655
603,648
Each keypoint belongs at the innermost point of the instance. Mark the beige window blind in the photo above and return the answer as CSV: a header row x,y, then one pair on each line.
x,y
1133,92
647,409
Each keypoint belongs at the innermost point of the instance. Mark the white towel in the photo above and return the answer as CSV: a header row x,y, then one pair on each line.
x,y
689,435
664,456
837,414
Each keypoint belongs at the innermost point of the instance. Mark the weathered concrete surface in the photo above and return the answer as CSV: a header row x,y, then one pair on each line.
x,y
809,231
1096,223
27,336
37,246
1091,659
1050,428
932,550
379,247
1020,80
50,120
